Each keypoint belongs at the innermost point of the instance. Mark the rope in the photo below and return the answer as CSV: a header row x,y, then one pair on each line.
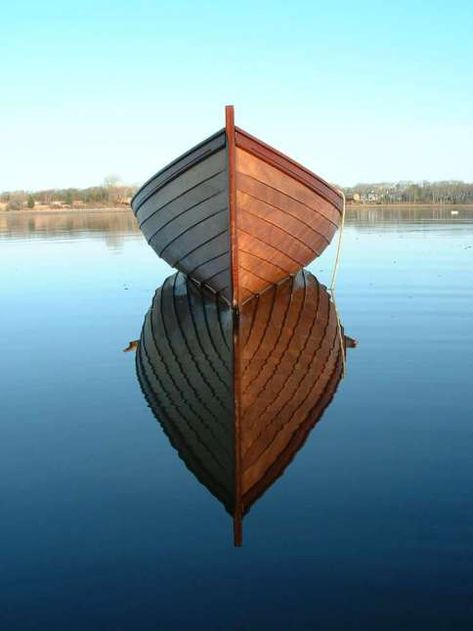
x,y
339,245
340,335
333,281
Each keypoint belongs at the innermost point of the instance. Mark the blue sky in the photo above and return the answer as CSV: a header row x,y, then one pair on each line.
x,y
356,91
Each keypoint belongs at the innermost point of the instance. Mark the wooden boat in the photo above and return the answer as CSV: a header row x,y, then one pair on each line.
x,y
236,215
238,395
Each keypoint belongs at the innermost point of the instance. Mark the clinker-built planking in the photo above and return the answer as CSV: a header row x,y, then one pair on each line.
x,y
236,215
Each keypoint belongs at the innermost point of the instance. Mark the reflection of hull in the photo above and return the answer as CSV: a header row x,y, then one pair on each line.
x,y
236,215
238,395
184,365
290,366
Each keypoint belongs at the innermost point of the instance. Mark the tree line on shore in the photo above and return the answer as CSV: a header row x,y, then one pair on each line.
x,y
446,192
112,193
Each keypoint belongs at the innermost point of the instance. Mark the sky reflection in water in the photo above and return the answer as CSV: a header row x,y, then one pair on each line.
x,y
371,524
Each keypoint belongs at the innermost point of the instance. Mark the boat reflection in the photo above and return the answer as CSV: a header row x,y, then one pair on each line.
x,y
238,394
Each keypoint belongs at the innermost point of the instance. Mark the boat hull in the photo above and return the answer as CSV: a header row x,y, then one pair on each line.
x,y
236,215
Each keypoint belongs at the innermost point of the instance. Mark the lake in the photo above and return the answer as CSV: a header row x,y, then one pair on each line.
x,y
106,526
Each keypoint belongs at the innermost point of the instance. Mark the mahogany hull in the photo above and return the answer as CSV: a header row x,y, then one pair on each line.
x,y
236,215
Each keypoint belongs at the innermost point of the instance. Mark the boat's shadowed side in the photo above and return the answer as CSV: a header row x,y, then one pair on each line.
x,y
183,213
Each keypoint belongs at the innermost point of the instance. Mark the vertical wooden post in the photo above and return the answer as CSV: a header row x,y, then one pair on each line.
x,y
237,530
230,133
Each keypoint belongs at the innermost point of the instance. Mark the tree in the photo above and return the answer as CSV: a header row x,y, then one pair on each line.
x,y
30,202
111,181
111,184
69,198
14,204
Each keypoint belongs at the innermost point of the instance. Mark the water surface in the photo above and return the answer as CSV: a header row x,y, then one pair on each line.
x,y
104,527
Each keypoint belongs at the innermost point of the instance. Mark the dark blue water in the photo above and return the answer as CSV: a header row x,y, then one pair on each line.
x,y
103,527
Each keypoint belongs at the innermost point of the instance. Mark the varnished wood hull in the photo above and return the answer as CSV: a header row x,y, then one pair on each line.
x,y
237,395
236,215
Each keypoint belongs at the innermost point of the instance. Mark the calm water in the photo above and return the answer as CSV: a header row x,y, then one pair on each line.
x,y
104,527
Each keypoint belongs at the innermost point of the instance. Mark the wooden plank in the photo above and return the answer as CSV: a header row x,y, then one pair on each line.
x,y
263,250
261,171
288,165
215,212
278,238
186,218
204,176
177,167
327,217
285,223
314,242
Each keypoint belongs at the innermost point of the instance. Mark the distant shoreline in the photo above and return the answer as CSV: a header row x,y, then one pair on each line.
x,y
407,206
58,211
125,209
